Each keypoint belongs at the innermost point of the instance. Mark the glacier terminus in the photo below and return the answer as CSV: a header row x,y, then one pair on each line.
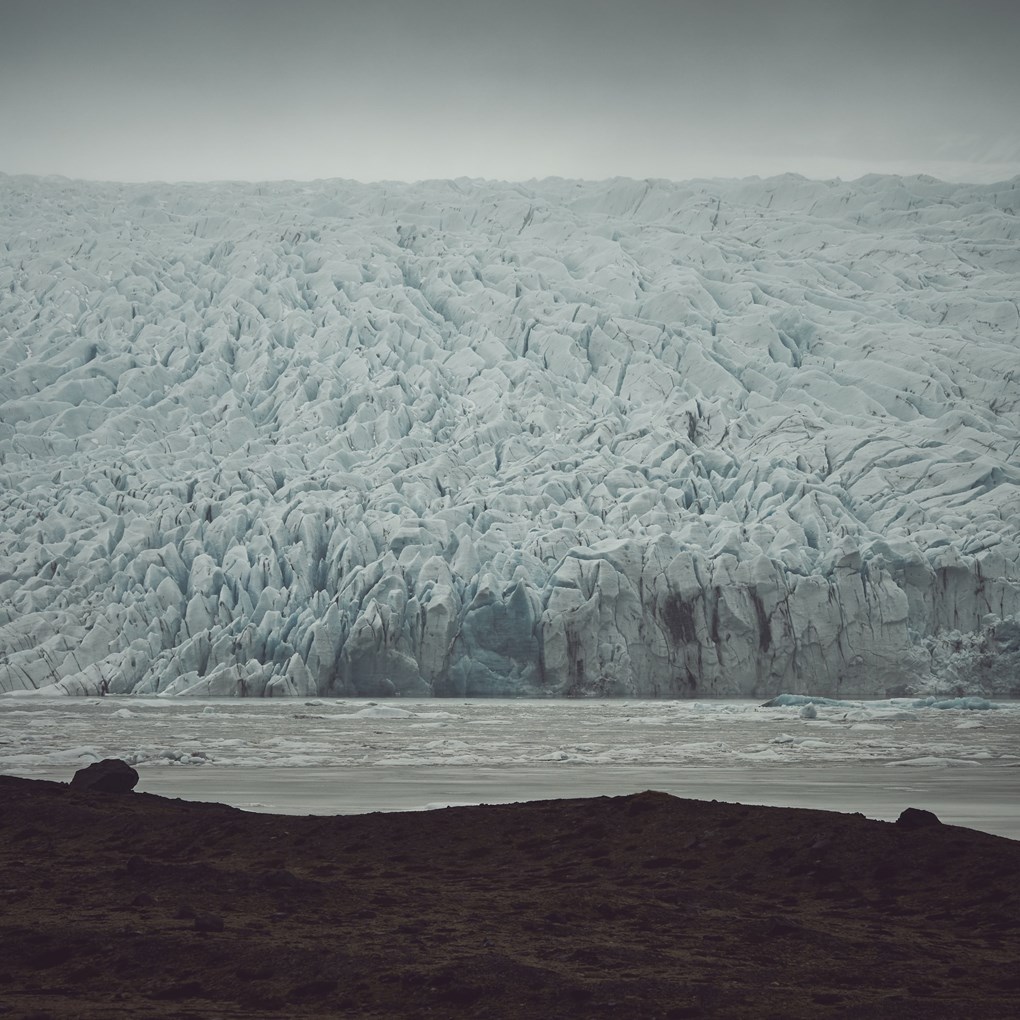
x,y
465,438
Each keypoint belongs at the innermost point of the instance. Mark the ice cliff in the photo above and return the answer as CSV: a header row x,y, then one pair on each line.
x,y
465,438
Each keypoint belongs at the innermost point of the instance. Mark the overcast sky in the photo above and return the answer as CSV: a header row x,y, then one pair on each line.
x,y
512,89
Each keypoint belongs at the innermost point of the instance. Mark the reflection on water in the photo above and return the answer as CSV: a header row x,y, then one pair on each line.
x,y
985,799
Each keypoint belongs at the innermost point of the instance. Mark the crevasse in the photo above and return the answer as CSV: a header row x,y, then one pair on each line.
x,y
473,438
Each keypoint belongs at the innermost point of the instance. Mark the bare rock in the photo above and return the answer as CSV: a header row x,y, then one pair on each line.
x,y
917,818
108,776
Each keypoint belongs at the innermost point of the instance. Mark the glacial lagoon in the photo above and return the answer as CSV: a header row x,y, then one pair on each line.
x,y
324,756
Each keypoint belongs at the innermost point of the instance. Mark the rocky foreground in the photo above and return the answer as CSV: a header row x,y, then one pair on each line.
x,y
130,905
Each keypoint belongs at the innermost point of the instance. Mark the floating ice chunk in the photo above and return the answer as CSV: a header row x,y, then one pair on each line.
x,y
930,760
761,754
75,754
871,709
381,712
49,691
179,757
796,700
970,704
706,747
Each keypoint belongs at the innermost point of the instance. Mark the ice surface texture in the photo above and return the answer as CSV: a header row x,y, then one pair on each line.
x,y
462,438
51,736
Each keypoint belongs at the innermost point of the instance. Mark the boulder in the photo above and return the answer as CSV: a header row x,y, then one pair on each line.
x,y
108,776
917,818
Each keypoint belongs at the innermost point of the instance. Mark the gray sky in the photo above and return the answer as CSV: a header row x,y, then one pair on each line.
x,y
512,89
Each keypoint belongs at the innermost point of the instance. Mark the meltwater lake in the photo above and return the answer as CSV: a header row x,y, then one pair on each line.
x,y
350,756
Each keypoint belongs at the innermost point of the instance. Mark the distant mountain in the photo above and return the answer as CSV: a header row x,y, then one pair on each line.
x,y
473,438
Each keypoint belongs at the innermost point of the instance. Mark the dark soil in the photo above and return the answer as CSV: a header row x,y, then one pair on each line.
x,y
130,905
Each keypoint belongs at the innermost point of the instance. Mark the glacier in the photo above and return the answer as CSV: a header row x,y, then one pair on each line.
x,y
468,438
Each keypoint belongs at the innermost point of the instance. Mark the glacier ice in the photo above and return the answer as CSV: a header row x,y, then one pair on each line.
x,y
469,438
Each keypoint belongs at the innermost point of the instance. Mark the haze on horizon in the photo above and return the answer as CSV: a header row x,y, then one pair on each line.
x,y
417,89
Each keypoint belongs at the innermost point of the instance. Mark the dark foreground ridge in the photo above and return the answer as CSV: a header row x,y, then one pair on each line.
x,y
130,905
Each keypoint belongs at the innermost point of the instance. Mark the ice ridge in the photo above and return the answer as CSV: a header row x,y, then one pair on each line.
x,y
472,438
